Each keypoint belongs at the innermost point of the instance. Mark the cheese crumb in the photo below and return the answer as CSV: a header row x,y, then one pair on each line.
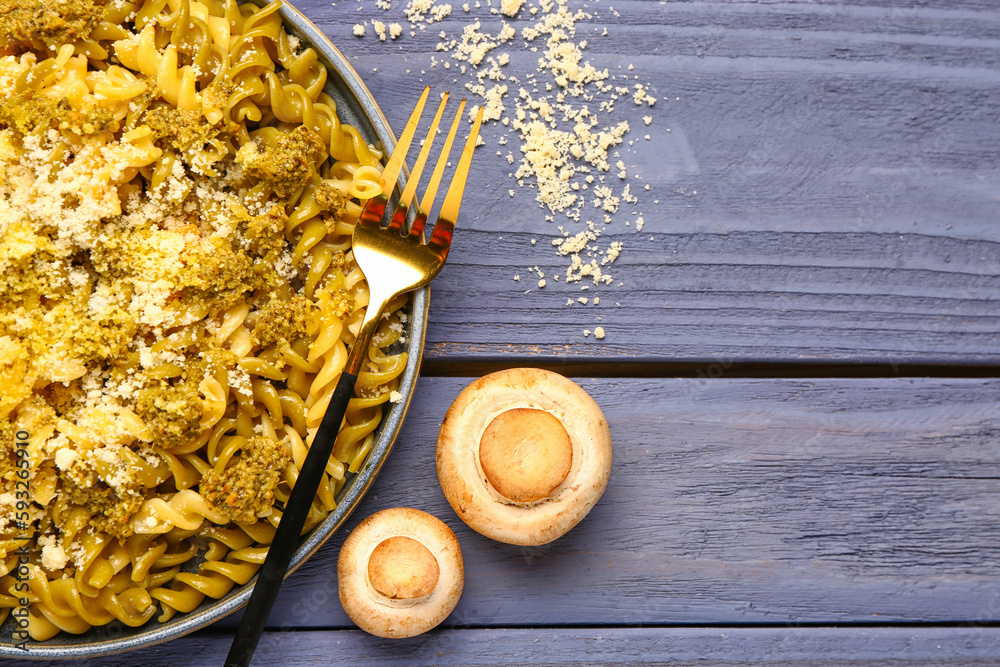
x,y
54,557
511,7
65,457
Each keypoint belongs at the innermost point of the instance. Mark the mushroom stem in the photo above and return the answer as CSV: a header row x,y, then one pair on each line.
x,y
525,454
401,568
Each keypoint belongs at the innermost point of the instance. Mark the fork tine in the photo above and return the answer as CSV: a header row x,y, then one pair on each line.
x,y
441,236
409,192
391,172
417,228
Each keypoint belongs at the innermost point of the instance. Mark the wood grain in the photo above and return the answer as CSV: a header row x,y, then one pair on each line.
x,y
678,647
733,501
827,190
824,188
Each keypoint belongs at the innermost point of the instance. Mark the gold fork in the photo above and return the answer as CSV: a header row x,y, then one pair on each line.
x,y
394,260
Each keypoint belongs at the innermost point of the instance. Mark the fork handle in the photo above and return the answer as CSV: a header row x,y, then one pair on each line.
x,y
286,537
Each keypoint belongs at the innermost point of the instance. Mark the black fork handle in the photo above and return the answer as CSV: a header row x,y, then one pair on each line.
x,y
286,537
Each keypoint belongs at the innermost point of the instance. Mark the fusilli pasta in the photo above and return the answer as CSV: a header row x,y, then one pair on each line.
x,y
177,300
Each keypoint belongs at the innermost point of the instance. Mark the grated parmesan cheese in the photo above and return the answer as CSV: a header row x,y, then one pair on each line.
x,y
54,557
561,116
511,7
65,457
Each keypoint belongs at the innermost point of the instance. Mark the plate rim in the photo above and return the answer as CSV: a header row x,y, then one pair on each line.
x,y
388,430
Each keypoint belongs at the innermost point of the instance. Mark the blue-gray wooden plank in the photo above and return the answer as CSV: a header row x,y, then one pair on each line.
x,y
731,501
845,157
969,646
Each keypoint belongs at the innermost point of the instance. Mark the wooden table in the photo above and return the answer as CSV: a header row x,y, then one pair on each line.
x,y
799,371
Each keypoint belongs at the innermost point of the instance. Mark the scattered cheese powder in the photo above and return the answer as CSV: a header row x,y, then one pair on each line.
x,y
561,114
426,11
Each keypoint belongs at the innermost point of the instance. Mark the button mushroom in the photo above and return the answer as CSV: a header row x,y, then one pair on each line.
x,y
523,455
400,573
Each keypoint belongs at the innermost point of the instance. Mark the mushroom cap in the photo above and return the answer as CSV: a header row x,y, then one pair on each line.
x,y
400,573
505,491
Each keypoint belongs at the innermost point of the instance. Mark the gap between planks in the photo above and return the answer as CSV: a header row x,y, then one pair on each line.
x,y
704,369
597,627
731,647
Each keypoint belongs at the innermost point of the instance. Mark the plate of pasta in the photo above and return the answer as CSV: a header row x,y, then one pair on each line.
x,y
179,181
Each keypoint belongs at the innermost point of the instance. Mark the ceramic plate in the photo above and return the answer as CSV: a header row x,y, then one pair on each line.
x,y
355,106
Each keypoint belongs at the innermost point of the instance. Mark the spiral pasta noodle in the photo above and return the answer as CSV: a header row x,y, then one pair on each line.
x,y
179,294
